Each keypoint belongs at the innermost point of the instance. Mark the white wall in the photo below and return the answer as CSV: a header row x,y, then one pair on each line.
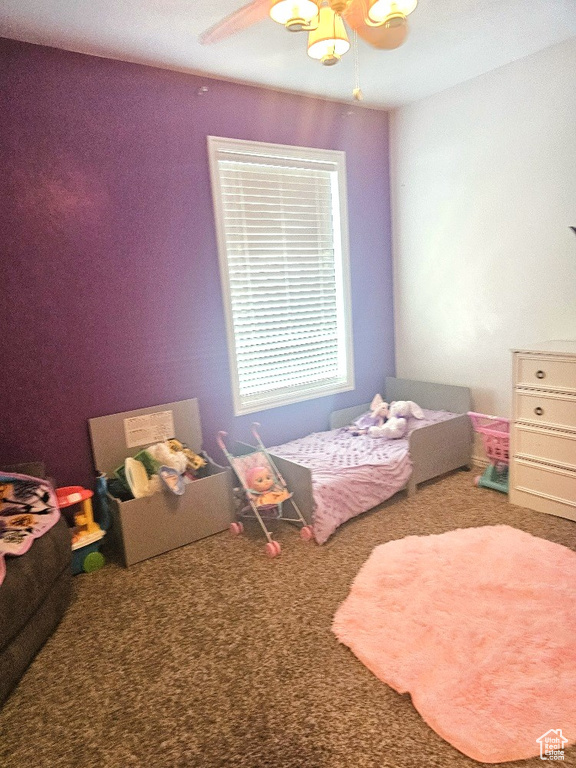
x,y
483,182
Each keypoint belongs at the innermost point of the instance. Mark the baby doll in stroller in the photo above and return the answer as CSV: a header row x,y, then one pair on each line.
x,y
264,491
263,487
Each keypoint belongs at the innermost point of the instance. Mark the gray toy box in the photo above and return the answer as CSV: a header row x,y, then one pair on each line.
x,y
151,525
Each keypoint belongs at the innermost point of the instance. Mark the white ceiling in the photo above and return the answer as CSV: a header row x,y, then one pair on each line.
x,y
450,41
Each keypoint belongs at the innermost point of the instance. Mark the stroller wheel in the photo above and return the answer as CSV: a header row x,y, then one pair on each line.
x,y
236,529
273,549
306,533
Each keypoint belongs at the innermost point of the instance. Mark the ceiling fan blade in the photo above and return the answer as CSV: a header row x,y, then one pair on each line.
x,y
382,37
241,19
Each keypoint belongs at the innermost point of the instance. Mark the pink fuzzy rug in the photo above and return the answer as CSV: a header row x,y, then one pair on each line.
x,y
479,626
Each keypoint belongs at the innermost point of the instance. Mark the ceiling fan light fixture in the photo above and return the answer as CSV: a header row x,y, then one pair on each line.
x,y
329,41
389,12
394,20
295,15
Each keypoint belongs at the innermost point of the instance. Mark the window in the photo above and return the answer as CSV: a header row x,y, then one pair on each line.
x,y
283,245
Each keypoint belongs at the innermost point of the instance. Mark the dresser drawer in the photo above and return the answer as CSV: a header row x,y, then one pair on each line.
x,y
553,447
546,409
546,373
547,482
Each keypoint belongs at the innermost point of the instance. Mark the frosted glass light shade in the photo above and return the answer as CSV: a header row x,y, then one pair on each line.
x,y
329,41
379,10
287,11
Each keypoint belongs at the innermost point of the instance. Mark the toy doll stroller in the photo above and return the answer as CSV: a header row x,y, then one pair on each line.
x,y
264,492
495,433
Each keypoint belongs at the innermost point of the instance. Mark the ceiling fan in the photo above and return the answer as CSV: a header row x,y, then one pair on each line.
x,y
381,23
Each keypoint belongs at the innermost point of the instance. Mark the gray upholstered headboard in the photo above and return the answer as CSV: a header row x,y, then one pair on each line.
x,y
435,397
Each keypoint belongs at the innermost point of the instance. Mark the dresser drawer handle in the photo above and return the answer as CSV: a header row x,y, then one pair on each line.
x,y
540,374
538,411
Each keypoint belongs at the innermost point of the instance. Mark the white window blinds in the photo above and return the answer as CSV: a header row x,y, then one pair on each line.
x,y
281,221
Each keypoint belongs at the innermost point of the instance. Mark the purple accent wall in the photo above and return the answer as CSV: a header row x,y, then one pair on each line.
x,y
111,293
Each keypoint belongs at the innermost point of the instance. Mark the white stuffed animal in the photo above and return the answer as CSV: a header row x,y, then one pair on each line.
x,y
405,408
397,424
394,428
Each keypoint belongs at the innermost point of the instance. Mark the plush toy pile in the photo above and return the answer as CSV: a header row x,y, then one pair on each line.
x,y
168,464
386,419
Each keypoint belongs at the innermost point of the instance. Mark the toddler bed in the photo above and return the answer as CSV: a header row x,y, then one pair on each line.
x,y
336,475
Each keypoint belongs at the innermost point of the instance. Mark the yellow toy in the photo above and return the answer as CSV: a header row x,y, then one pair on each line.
x,y
86,533
84,523
195,463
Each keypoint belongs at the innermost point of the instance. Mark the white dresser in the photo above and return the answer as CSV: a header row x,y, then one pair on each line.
x,y
543,431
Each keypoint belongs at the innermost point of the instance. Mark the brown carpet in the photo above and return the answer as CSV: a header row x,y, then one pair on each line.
x,y
213,655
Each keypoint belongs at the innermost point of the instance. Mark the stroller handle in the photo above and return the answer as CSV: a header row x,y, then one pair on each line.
x,y
254,429
220,440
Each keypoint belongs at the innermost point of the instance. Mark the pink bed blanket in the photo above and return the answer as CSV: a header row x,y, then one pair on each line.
x,y
28,508
352,473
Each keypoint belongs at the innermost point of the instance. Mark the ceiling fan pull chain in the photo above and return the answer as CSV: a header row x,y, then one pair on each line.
x,y
357,92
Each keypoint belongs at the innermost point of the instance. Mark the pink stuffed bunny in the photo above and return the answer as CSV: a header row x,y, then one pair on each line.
x,y
376,418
